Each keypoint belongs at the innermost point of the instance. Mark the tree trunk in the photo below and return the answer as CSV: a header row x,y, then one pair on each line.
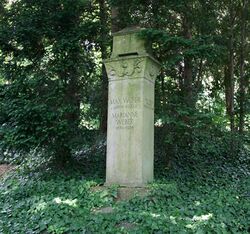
x,y
187,73
187,82
104,78
71,101
242,68
229,77
104,107
115,19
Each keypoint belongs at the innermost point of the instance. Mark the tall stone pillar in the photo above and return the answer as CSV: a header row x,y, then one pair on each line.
x,y
130,138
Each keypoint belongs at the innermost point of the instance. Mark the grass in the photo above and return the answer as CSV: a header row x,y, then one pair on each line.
x,y
203,198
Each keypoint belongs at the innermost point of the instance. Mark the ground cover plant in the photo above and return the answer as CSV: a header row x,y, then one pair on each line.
x,y
198,199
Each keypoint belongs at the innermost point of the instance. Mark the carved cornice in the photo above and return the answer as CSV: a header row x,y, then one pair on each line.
x,y
124,68
132,68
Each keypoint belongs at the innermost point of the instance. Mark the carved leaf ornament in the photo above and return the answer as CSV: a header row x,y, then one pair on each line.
x,y
125,68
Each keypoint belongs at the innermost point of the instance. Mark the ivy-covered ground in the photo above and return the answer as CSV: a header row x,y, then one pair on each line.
x,y
202,197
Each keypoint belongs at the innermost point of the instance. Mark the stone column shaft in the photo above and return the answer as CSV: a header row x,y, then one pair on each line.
x,y
130,137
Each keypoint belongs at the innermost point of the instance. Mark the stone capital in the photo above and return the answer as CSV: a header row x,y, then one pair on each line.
x,y
132,67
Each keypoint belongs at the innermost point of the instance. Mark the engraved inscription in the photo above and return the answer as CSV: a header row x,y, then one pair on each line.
x,y
125,110
124,100
124,120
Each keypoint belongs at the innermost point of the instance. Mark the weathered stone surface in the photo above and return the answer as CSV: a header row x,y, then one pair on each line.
x,y
5,168
124,194
127,42
127,226
104,210
130,141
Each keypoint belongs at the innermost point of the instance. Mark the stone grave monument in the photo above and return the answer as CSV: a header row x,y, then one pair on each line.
x,y
130,139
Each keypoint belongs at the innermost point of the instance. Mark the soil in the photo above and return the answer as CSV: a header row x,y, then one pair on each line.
x,y
4,168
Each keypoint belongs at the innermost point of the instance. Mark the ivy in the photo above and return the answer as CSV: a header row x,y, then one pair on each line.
x,y
214,200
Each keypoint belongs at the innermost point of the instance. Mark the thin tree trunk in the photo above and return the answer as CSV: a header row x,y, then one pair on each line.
x,y
229,77
72,116
115,19
104,78
242,68
199,77
187,91
187,73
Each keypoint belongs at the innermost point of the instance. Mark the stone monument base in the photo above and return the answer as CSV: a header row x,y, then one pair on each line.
x,y
125,193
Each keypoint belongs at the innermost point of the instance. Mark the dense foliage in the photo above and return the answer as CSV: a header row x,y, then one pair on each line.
x,y
47,59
